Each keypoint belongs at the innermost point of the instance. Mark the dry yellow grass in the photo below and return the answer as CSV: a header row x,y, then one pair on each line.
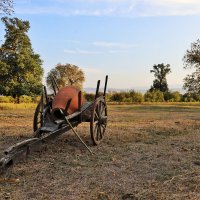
x,y
15,106
149,152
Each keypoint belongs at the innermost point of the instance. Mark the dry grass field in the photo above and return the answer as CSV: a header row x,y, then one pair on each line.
x,y
149,152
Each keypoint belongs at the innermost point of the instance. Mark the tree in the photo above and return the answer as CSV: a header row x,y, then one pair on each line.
x,y
66,75
160,72
190,97
20,68
6,7
192,61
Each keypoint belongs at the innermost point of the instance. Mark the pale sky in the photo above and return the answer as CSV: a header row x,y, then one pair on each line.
x,y
121,38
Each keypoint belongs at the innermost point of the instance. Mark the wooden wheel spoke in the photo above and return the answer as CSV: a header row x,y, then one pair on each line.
x,y
96,115
95,123
99,133
103,120
98,121
103,109
103,126
99,107
95,128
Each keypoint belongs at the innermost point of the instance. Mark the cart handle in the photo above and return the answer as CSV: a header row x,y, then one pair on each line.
x,y
105,86
97,89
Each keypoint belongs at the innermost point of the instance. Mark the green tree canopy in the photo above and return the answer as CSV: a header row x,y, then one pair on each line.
x,y
20,68
160,72
6,7
192,61
66,75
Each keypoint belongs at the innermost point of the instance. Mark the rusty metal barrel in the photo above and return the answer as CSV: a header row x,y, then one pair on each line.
x,y
67,99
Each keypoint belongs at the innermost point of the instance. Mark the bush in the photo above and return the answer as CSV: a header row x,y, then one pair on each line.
x,y
25,99
154,96
136,97
128,97
36,99
172,96
118,97
22,99
127,100
6,99
89,96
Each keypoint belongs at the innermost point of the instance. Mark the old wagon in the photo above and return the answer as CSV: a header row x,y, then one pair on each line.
x,y
59,114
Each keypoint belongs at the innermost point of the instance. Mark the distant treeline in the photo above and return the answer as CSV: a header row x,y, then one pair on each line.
x,y
151,96
121,97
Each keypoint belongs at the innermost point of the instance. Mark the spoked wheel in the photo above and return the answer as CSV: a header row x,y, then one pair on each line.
x,y
98,121
38,120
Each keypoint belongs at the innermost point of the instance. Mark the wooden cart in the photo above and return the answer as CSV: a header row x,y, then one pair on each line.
x,y
46,127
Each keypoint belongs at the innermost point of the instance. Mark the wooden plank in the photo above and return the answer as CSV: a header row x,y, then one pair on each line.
x,y
19,145
22,149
